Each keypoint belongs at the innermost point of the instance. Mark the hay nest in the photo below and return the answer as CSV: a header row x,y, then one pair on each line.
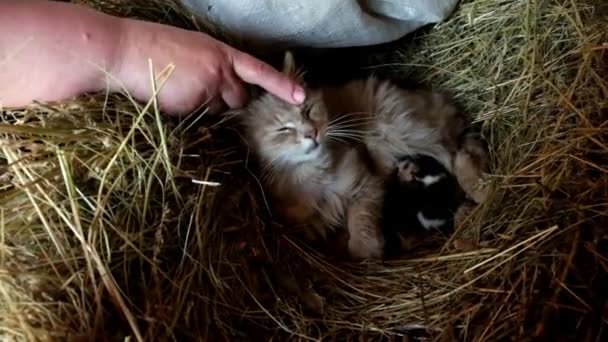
x,y
116,221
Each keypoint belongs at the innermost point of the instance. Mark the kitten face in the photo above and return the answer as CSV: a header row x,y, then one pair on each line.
x,y
286,133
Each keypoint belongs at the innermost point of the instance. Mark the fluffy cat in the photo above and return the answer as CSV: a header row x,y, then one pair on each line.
x,y
326,161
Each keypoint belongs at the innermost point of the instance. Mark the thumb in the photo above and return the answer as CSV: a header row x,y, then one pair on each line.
x,y
254,71
233,93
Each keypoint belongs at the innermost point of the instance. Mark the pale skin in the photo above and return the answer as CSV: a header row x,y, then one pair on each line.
x,y
52,51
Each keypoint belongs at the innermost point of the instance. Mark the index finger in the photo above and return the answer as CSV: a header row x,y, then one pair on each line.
x,y
254,71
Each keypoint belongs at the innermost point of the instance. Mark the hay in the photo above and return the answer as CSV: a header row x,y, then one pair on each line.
x,y
104,234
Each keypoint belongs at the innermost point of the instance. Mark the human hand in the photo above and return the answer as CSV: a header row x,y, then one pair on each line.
x,y
207,72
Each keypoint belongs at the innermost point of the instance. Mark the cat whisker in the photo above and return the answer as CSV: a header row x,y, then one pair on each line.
x,y
347,132
356,115
270,176
360,120
342,117
340,140
351,116
351,137
349,126
268,165
269,171
356,119
347,136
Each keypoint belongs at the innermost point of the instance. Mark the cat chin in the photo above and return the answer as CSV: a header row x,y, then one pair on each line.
x,y
303,156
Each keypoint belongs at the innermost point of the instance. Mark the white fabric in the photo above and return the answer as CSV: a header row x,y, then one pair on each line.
x,y
321,23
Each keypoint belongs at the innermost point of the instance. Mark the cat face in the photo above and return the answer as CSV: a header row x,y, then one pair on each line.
x,y
286,133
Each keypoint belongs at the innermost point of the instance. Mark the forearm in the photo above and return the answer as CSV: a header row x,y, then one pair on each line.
x,y
52,50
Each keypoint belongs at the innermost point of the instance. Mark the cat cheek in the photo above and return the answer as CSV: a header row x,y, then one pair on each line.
x,y
322,132
292,141
277,140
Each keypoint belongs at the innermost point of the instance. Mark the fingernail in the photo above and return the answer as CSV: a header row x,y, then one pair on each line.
x,y
298,94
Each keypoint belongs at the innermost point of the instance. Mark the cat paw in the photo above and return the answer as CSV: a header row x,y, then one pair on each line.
x,y
471,177
463,213
366,247
408,242
308,296
313,301
479,191
470,164
315,232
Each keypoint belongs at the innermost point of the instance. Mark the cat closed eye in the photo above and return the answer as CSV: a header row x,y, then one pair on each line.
x,y
285,129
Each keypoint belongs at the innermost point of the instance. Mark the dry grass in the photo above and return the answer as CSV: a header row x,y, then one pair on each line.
x,y
103,232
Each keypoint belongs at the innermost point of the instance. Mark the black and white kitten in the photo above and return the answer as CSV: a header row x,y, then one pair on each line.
x,y
421,196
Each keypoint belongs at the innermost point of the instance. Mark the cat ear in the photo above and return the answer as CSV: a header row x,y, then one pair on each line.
x,y
289,64
289,67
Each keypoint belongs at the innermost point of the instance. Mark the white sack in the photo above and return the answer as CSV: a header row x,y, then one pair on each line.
x,y
321,23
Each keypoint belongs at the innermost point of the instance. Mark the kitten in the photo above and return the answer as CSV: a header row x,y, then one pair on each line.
x,y
327,160
421,196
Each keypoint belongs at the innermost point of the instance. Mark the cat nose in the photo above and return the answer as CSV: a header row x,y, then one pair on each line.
x,y
311,134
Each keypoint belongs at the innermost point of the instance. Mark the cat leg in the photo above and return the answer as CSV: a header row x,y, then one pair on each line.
x,y
470,164
366,240
467,160
462,149
467,153
461,152
303,218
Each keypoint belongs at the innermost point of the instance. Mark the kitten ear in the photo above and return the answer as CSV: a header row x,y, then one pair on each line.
x,y
289,67
289,64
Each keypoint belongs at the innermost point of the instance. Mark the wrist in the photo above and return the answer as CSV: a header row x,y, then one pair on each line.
x,y
129,62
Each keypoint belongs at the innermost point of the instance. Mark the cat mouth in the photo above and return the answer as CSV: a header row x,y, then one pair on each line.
x,y
315,145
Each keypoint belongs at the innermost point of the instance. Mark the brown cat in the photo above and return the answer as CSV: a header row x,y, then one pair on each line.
x,y
326,160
